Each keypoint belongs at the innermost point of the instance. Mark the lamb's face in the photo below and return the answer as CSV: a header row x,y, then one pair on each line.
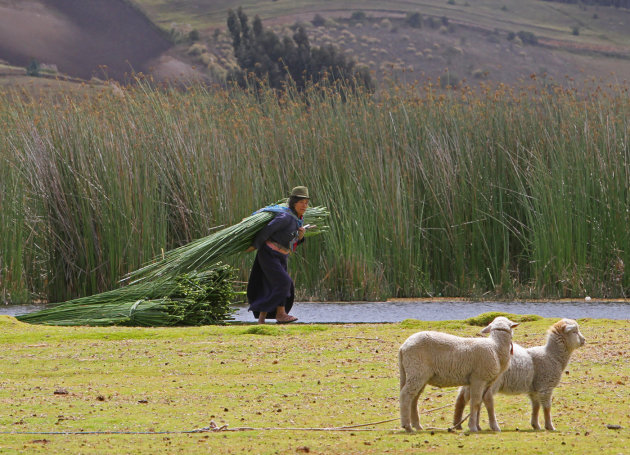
x,y
500,323
572,334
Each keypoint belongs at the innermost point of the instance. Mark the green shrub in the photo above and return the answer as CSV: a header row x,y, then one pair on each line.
x,y
33,69
318,20
527,37
358,16
414,20
196,50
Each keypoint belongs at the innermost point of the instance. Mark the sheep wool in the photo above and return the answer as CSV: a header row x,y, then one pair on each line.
x,y
445,360
534,371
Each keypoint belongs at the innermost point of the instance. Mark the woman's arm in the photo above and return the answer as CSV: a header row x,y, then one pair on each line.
x,y
279,222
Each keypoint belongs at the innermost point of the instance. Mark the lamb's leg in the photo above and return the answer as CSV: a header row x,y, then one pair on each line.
x,y
460,404
478,417
488,400
415,416
477,389
408,396
546,404
535,409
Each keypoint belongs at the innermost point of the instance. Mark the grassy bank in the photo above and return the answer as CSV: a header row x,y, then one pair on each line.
x,y
497,193
56,379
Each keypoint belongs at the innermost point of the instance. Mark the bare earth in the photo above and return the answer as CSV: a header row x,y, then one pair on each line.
x,y
83,38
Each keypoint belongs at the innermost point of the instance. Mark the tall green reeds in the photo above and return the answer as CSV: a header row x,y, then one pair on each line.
x,y
494,192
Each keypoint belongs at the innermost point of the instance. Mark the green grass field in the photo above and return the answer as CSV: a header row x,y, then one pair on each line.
x,y
287,384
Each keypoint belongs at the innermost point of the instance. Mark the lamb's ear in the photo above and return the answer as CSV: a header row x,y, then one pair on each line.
x,y
514,324
487,329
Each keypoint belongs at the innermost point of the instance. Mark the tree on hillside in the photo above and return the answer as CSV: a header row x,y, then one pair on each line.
x,y
414,20
263,56
33,68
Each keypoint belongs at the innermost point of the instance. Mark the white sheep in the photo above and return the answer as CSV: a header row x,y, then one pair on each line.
x,y
535,371
444,360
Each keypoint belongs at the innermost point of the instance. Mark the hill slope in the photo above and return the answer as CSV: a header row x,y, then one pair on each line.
x,y
82,38
457,39
462,39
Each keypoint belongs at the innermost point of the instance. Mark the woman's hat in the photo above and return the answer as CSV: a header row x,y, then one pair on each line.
x,y
301,192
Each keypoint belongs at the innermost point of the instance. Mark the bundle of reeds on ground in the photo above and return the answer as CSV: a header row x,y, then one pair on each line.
x,y
197,298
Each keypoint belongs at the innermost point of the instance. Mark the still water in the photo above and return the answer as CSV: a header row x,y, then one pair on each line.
x,y
396,311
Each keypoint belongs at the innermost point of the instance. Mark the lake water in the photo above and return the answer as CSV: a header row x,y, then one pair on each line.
x,y
396,311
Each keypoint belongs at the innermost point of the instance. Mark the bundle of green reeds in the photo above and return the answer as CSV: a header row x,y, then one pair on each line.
x,y
197,298
237,238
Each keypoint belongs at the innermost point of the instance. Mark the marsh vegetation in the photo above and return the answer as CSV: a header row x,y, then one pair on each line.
x,y
493,192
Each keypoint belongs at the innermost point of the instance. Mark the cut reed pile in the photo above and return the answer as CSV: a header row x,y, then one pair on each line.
x,y
198,298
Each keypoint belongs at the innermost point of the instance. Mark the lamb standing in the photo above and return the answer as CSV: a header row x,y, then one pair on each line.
x,y
445,360
535,371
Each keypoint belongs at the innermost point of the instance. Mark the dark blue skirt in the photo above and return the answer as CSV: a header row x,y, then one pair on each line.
x,y
270,285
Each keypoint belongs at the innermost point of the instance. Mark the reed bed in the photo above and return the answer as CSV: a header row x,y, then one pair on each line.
x,y
494,192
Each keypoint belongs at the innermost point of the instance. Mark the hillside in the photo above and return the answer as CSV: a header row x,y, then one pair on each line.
x,y
457,39
454,41
80,38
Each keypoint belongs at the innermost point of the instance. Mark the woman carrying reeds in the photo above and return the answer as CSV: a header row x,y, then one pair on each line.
x,y
270,289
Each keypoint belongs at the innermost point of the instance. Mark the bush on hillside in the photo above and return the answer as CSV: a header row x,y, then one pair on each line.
x,y
527,37
33,69
318,20
193,35
358,16
414,20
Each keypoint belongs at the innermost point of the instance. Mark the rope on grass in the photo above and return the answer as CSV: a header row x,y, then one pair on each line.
x,y
214,428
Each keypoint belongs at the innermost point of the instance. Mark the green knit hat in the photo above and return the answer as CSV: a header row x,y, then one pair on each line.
x,y
301,192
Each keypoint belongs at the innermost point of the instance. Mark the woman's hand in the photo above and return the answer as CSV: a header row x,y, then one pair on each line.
x,y
301,231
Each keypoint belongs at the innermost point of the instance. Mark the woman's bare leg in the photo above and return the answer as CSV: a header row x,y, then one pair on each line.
x,y
261,317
